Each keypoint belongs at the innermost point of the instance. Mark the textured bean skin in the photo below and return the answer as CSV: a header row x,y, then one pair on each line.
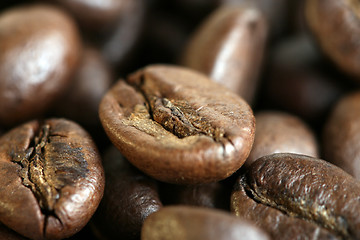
x,y
341,136
191,223
278,224
339,36
307,188
37,58
202,132
279,132
61,188
229,48
129,198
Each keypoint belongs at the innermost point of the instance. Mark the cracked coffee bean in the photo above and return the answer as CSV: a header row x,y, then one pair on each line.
x,y
229,48
177,125
37,59
193,223
342,144
299,197
129,198
54,174
280,132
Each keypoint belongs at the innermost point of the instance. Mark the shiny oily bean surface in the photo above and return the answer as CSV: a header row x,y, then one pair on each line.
x,y
192,223
280,132
129,198
339,35
54,174
306,188
37,58
341,136
229,48
177,125
95,14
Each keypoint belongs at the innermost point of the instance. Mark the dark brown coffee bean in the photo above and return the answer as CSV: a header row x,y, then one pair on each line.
x,y
91,80
229,48
338,36
279,132
277,223
341,136
93,14
129,198
37,58
211,195
177,125
298,82
275,11
191,223
52,179
303,187
7,234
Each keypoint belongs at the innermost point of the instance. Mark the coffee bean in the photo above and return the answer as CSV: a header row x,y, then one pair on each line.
x,y
37,58
129,198
229,48
338,36
7,234
341,136
54,174
279,132
95,15
90,82
180,222
211,195
299,82
300,187
177,125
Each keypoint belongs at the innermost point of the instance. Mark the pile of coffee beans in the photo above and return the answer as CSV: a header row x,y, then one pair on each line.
x,y
182,119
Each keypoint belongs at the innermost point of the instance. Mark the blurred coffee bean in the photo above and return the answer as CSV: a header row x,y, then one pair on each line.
x,y
341,136
129,198
7,234
297,82
280,132
229,48
54,174
37,59
338,36
93,14
177,126
91,81
211,195
303,188
276,13
192,223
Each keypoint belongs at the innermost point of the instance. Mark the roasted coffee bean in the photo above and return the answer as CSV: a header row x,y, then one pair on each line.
x,y
91,81
229,48
37,58
52,179
280,132
338,36
297,81
129,198
192,223
275,11
7,234
93,14
341,136
299,187
177,125
211,195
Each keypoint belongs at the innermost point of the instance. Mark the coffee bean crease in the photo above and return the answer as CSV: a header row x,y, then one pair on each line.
x,y
47,166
